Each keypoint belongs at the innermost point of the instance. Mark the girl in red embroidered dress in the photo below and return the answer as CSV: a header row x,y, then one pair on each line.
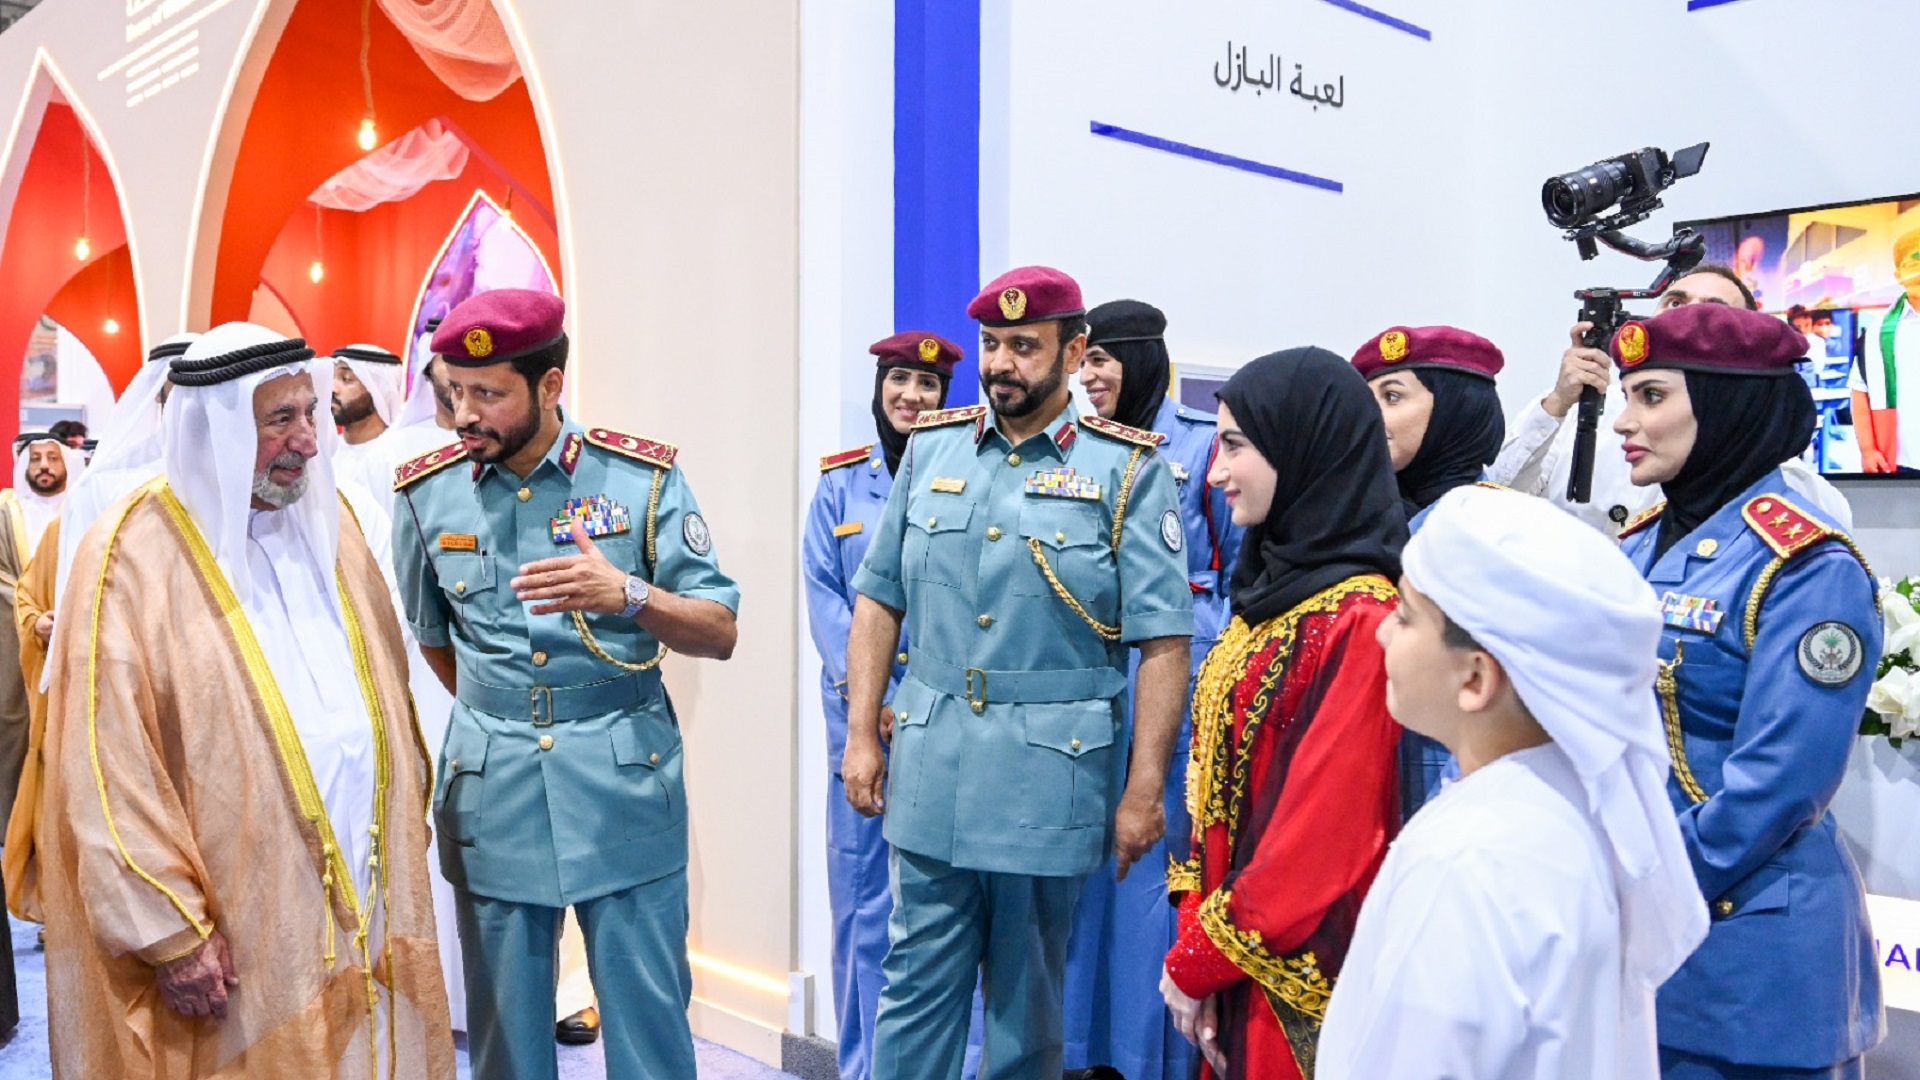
x,y
1292,785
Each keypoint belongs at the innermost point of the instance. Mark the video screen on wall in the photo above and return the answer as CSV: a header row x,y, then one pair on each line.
x,y
1847,276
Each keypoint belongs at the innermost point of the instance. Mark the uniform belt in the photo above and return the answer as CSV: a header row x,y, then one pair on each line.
x,y
1009,687
545,704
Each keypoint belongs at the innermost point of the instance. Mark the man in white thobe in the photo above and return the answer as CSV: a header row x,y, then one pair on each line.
x,y
369,384
1525,918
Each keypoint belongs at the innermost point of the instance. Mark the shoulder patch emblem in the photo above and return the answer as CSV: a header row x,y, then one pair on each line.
x,y
1830,654
427,464
658,454
846,457
1786,528
1171,533
693,529
1122,432
943,417
1643,519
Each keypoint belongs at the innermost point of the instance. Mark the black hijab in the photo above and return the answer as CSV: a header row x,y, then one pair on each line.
x,y
1335,512
1747,426
1132,332
1464,433
894,443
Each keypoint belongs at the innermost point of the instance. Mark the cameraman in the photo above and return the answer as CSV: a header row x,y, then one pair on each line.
x,y
1538,455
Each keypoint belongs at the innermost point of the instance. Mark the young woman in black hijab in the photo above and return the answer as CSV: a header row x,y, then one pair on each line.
x,y
914,370
1435,386
1771,640
1291,785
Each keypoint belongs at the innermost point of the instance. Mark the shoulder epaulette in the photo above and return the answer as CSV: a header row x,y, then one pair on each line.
x,y
427,464
943,417
1189,413
658,454
1122,432
846,457
1786,528
1643,519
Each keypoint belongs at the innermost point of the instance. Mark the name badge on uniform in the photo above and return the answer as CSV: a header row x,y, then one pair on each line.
x,y
601,515
1063,483
848,528
1691,612
459,542
948,485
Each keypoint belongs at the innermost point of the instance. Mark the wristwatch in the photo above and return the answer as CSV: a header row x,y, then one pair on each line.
x,y
638,593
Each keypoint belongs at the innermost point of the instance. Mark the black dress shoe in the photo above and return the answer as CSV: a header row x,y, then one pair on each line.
x,y
580,1029
1095,1072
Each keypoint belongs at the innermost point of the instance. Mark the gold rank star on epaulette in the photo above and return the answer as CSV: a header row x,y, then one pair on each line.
x,y
427,464
845,458
1112,430
658,454
1786,528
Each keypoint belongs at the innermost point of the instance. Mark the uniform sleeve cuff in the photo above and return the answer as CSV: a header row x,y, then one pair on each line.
x,y
883,591
433,637
726,596
1147,625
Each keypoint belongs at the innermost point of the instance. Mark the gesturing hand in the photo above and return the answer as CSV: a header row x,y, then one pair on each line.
x,y
584,582
198,983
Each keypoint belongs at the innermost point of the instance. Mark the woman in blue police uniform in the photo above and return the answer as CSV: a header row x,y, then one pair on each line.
x,y
1122,930
1435,386
1771,638
915,369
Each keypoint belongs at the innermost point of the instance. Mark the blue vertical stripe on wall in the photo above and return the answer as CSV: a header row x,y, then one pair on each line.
x,y
936,175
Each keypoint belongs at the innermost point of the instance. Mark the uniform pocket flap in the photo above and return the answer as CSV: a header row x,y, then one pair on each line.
x,y
939,514
637,742
912,702
464,575
1072,728
466,750
1766,889
1059,523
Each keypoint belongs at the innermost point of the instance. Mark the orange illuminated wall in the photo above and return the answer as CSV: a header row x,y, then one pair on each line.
x,y
301,131
40,275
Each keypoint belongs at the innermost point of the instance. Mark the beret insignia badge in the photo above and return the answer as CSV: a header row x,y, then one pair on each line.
x,y
1633,344
1013,303
478,341
929,350
1393,346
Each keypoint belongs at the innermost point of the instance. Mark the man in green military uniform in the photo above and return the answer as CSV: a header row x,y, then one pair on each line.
x,y
545,570
1031,546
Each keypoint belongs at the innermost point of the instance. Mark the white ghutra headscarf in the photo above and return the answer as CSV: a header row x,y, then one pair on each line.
x,y
1578,631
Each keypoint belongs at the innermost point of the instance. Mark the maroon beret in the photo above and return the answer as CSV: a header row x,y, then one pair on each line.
x,y
1428,347
1029,294
1710,337
920,350
497,325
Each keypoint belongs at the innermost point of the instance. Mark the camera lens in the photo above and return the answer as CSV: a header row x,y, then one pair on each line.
x,y
1578,197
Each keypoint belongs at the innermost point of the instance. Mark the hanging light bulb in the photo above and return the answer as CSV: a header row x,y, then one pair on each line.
x,y
111,326
369,136
316,272
82,249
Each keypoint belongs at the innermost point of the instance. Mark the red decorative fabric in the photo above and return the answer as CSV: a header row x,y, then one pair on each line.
x,y
1310,798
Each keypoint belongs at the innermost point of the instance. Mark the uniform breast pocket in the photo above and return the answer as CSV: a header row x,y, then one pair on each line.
x,y
647,756
1072,537
1711,682
935,548
621,549
468,582
463,778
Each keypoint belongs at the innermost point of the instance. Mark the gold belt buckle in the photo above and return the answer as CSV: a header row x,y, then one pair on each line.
x,y
537,697
977,698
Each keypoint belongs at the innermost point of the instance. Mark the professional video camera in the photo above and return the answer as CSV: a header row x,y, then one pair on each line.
x,y
1574,203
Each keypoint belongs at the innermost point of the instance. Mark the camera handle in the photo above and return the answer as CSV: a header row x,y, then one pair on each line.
x,y
1601,307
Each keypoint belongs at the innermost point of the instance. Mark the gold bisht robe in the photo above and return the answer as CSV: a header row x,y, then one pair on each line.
x,y
178,802
19,856
14,544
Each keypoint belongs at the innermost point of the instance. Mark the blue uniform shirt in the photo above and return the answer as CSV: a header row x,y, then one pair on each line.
x,y
1213,540
1004,745
1770,647
840,525
560,779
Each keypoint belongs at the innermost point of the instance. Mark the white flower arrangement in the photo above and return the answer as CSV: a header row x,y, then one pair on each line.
x,y
1893,704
